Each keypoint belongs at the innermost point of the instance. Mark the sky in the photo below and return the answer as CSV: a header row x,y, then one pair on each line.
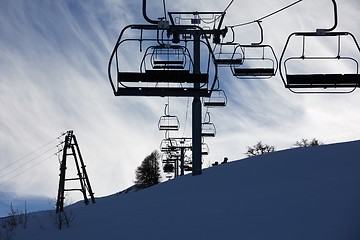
x,y
303,193
54,58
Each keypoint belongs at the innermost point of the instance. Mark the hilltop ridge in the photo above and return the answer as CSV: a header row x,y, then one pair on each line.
x,y
302,193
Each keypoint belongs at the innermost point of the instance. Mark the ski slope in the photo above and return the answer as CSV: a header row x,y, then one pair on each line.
x,y
296,194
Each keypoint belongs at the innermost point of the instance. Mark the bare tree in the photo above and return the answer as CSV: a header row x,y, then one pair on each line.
x,y
306,143
259,149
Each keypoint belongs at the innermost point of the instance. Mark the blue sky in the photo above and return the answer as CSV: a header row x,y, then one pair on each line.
x,y
54,57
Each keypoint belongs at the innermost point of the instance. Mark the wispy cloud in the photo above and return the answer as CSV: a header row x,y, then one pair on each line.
x,y
53,78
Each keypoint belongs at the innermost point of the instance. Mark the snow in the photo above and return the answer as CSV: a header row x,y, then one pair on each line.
x,y
303,193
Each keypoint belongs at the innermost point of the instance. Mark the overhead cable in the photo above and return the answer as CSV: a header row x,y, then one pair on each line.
x,y
165,11
27,163
32,152
269,15
186,115
27,169
228,6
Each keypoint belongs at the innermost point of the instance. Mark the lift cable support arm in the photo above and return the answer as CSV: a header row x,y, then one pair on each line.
x,y
321,31
145,14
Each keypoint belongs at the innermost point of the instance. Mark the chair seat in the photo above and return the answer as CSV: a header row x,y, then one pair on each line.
x,y
155,76
323,80
254,71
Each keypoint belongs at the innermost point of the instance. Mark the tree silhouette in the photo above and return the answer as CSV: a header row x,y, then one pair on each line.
x,y
148,173
259,149
306,143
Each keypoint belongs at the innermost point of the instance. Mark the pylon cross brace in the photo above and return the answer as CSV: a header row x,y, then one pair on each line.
x,y
71,148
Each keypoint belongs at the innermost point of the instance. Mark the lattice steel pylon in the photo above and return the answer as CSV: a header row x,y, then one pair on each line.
x,y
71,148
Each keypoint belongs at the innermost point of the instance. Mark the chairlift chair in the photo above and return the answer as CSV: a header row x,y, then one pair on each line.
x,y
228,54
259,62
187,164
168,145
168,122
165,69
171,57
170,157
168,168
184,142
187,168
164,158
167,65
217,99
208,128
204,149
169,163
173,157
341,81
347,81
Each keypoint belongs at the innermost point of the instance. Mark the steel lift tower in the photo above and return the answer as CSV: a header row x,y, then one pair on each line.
x,y
71,148
168,68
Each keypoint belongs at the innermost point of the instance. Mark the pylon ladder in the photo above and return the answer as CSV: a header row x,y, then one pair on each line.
x,y
71,148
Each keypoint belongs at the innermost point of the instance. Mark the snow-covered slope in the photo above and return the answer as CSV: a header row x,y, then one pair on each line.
x,y
303,193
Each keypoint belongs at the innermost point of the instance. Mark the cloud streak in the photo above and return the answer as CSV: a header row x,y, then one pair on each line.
x,y
54,78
